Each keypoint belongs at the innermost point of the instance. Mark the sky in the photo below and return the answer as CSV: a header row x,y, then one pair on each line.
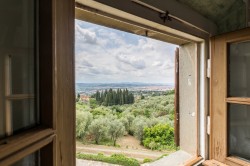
x,y
105,55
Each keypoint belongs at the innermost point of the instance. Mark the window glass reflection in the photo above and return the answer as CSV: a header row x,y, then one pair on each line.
x,y
239,70
239,130
17,66
31,160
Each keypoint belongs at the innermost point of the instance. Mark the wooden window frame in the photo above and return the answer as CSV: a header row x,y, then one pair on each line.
x,y
219,98
107,18
54,138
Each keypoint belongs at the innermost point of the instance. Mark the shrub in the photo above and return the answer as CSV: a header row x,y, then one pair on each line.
x,y
146,160
113,159
158,135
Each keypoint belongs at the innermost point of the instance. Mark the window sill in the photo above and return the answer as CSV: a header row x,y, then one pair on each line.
x,y
236,160
14,143
193,161
213,163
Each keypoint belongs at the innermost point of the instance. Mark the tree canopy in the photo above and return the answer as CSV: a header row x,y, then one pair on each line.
x,y
114,97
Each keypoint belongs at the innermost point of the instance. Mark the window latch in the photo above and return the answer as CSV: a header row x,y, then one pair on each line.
x,y
208,68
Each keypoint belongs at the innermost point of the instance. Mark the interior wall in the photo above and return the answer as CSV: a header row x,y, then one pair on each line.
x,y
187,95
234,18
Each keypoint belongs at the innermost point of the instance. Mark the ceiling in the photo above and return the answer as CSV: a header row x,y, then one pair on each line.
x,y
224,13
211,9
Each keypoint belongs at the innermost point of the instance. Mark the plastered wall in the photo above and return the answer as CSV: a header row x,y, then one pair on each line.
x,y
187,96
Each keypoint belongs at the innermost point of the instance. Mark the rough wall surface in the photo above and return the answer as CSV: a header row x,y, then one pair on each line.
x,y
228,15
187,85
233,19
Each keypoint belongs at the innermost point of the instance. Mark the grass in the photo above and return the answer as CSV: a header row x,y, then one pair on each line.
x,y
113,159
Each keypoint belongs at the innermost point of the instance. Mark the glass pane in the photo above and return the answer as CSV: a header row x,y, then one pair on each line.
x,y
31,160
23,114
17,62
239,69
22,74
239,130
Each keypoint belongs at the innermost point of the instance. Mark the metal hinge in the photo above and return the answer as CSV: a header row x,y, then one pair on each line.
x,y
208,68
208,125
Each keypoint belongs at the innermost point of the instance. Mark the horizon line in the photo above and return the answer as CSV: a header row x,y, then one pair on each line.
x,y
122,82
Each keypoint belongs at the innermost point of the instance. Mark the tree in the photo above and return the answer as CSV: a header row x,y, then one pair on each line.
x,y
116,130
130,117
98,96
98,129
139,124
111,97
83,120
125,122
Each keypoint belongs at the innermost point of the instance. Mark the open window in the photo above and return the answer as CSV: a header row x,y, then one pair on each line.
x,y
190,66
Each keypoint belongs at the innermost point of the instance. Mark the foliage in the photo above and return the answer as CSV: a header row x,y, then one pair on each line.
x,y
127,119
93,103
98,129
83,120
146,160
100,111
116,130
114,97
138,126
158,135
104,126
113,159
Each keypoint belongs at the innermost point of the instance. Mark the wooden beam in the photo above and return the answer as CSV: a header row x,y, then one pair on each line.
x,y
64,81
136,13
184,13
88,14
175,8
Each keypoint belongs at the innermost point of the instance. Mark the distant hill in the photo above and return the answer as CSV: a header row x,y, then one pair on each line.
x,y
90,88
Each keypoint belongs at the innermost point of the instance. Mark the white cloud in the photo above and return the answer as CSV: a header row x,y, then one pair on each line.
x,y
157,63
135,62
85,35
108,55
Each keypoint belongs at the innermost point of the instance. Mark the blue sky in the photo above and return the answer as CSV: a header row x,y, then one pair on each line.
x,y
105,55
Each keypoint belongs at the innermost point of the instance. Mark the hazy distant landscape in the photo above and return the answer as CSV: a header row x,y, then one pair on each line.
x,y
90,88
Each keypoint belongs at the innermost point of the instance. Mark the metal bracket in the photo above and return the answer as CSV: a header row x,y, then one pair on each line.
x,y
165,16
208,68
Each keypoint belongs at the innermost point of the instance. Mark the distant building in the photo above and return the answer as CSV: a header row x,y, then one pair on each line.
x,y
84,98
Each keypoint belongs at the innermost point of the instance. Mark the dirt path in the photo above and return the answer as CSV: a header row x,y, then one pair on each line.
x,y
129,146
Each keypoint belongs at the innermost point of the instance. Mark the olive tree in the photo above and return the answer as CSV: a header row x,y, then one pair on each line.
x,y
83,120
98,129
138,126
116,130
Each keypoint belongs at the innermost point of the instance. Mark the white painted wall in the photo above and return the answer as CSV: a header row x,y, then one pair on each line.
x,y
187,96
